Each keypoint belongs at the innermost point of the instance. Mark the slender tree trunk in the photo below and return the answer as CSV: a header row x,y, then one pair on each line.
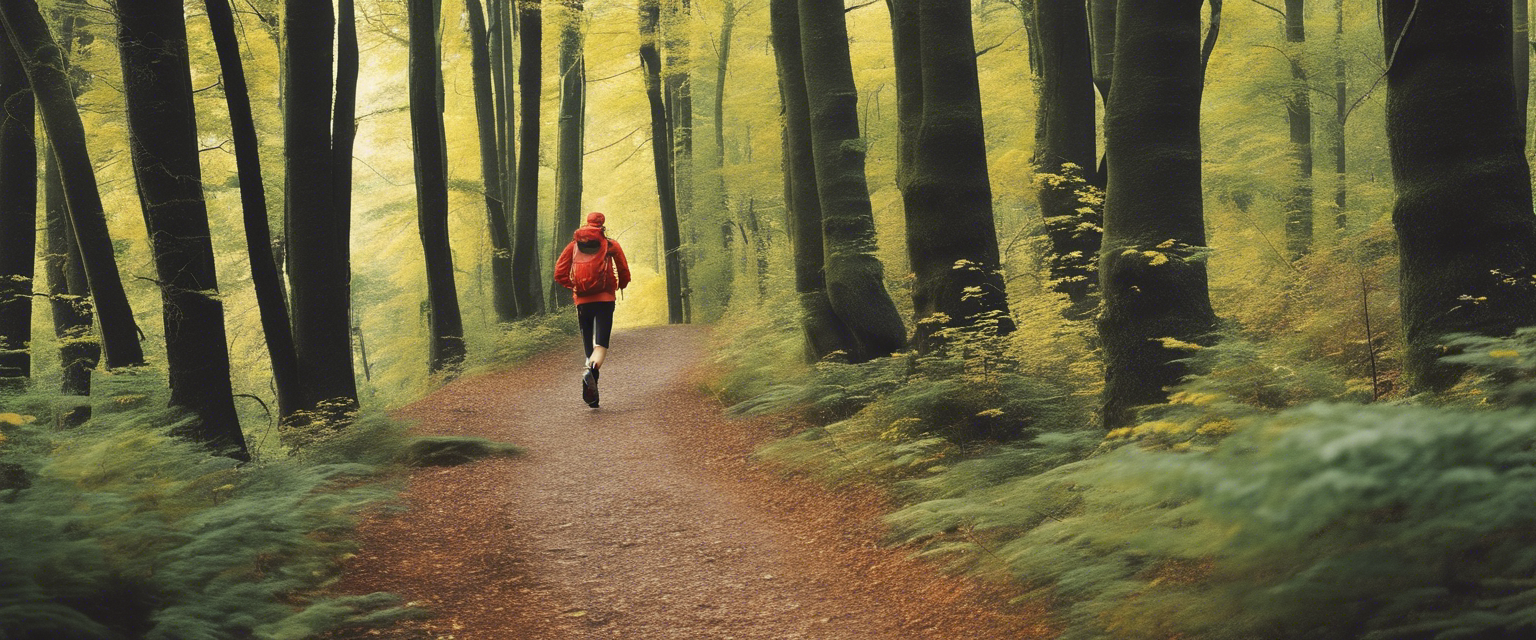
x,y
1101,28
1522,55
1340,120
525,248
573,103
70,297
677,45
727,30
1065,153
1152,275
825,332
951,235
661,146
265,276
855,277
481,56
319,264
498,24
162,135
45,66
907,49
344,126
1465,229
446,351
1298,206
18,218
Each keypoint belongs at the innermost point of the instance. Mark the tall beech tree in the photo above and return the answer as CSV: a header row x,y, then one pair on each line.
x,y
316,234
572,127
162,136
1065,153
529,287
825,332
446,343
487,119
1101,29
46,70
265,276
499,23
1298,113
661,153
18,217
1341,118
855,277
1463,216
951,236
906,47
1152,275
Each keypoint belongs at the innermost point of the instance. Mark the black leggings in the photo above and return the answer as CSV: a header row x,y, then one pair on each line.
x,y
596,324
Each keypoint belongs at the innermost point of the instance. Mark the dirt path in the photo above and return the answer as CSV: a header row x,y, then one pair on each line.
x,y
645,519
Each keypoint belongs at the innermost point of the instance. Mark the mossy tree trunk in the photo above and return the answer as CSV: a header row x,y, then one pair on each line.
x,y
1298,113
906,45
855,277
490,163
446,343
529,287
45,65
1101,30
162,136
572,128
661,153
1465,230
18,217
951,235
1065,153
498,23
1153,276
1341,119
825,332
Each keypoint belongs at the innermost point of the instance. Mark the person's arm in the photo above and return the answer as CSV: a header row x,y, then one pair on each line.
x,y
621,263
563,268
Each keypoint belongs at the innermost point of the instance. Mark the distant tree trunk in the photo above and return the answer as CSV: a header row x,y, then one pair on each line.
x,y
525,247
1465,229
344,123
486,116
727,29
573,110
45,66
498,24
162,135
907,50
446,350
761,245
825,332
1152,276
1522,55
1101,27
661,151
855,277
678,46
319,262
1065,154
18,218
951,236
265,276
1298,205
1341,119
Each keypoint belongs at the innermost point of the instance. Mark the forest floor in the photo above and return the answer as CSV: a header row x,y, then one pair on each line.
x,y
646,518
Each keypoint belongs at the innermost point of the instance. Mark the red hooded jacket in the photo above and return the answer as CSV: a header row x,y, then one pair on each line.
x,y
592,231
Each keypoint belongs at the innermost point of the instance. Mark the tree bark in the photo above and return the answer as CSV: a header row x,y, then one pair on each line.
x,y
265,276
319,261
506,163
855,277
1065,155
825,333
45,66
525,247
1153,276
951,235
1298,205
573,110
162,135
446,344
678,47
1101,28
906,42
1522,55
18,218
661,152
1341,119
486,118
1463,216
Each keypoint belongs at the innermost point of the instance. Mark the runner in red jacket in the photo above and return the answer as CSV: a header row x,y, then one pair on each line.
x,y
593,267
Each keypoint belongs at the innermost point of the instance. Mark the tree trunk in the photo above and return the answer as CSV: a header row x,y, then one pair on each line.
x,y
45,66
446,350
1065,153
1465,229
501,46
319,263
825,333
265,276
525,248
907,49
70,297
1101,28
678,47
162,135
661,147
1341,119
1522,55
1153,277
18,218
1298,205
855,277
727,29
951,236
573,108
486,117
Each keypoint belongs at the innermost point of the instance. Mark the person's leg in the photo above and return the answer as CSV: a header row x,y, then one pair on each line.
x,y
585,318
602,332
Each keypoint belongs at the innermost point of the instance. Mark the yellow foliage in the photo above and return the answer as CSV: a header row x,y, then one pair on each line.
x,y
16,419
1503,353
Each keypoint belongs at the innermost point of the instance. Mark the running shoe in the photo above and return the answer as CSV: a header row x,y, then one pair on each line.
x,y
589,387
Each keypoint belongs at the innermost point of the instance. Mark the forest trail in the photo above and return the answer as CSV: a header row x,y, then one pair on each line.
x,y
645,519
